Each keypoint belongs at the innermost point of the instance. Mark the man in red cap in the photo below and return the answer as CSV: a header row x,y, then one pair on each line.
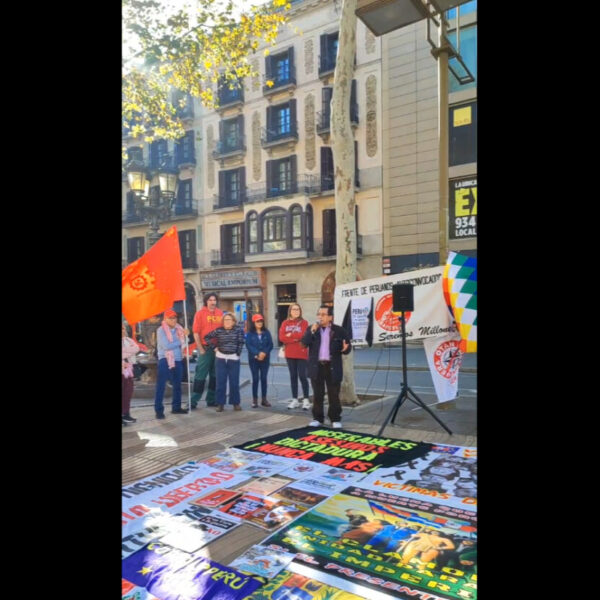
x,y
170,340
259,343
207,319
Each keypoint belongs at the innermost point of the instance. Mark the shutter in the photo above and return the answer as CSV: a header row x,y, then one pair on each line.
x,y
356,220
326,94
191,235
356,178
329,232
323,57
221,187
221,143
241,131
291,59
192,156
293,122
353,104
182,252
241,229
269,177
327,182
224,254
242,184
294,173
269,121
269,67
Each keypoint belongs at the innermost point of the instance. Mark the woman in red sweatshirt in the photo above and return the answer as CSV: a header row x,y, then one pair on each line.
x,y
296,354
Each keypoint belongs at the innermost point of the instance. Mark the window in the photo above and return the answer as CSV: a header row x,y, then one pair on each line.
x,y
466,8
309,228
187,246
274,230
184,149
135,153
158,151
135,248
296,213
252,233
468,52
463,134
183,204
327,173
229,95
184,105
329,232
232,187
279,69
329,46
231,132
232,243
281,176
281,121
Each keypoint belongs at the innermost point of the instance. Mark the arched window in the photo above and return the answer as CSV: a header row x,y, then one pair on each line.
x,y
296,219
274,230
309,228
252,223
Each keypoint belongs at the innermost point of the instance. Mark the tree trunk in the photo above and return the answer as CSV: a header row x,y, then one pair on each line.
x,y
342,145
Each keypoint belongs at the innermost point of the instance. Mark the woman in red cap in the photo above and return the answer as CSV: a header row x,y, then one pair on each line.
x,y
259,343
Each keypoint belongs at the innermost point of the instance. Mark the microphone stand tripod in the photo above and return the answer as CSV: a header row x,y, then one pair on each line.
x,y
405,391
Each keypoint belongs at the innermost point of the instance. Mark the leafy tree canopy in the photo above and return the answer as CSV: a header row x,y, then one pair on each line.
x,y
190,50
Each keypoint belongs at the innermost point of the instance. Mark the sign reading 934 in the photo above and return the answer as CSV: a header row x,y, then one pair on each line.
x,y
463,208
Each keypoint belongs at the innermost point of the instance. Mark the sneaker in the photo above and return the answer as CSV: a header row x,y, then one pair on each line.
x,y
255,404
336,425
220,408
123,421
160,415
293,403
128,419
265,402
179,411
237,407
306,404
315,424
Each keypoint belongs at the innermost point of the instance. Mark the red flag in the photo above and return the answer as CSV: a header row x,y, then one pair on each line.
x,y
154,281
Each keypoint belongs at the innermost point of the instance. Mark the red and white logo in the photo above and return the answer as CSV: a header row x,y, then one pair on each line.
x,y
385,317
447,358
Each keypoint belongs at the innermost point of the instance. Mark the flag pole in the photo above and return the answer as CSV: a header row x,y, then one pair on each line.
x,y
187,361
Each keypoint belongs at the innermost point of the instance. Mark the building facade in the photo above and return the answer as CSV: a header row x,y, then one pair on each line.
x,y
259,226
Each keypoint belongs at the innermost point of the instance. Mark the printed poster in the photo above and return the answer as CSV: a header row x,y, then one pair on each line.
x,y
274,514
294,493
387,543
263,561
265,485
216,498
347,450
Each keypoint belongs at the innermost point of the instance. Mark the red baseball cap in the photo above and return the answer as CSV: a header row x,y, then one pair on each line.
x,y
257,317
170,313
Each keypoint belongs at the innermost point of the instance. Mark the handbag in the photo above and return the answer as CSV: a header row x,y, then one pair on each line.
x,y
281,352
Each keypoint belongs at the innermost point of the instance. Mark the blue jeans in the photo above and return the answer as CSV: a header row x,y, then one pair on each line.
x,y
297,368
259,367
163,375
228,370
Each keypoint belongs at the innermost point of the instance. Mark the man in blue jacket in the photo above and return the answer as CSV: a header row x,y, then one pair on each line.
x,y
326,343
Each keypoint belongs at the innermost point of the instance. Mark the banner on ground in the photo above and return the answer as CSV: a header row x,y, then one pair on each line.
x,y
431,316
347,450
387,543
444,359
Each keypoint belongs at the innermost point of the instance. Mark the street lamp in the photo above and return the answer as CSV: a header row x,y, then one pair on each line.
x,y
383,16
154,191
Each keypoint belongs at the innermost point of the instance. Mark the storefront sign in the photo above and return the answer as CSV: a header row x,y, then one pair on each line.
x,y
230,279
463,208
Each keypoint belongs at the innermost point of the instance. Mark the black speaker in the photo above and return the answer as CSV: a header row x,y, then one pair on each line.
x,y
403,297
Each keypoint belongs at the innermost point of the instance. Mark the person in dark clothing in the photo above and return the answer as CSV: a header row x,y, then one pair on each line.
x,y
259,343
326,343
228,342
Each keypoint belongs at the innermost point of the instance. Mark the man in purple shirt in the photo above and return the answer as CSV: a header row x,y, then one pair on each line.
x,y
326,343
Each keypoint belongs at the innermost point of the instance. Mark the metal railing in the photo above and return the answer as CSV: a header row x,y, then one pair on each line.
x,y
273,136
229,201
227,96
227,147
326,65
279,82
230,258
323,121
303,184
185,208
319,249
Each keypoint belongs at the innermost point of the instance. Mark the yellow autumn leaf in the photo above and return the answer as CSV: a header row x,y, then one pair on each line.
x,y
269,83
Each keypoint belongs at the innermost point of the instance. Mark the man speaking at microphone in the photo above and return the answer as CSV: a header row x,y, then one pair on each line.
x,y
326,343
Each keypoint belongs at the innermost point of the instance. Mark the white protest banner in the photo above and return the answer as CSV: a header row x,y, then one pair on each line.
x,y
444,358
430,317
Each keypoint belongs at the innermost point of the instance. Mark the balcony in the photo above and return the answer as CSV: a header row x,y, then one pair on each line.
x,y
328,251
132,218
304,184
230,98
189,262
230,147
326,65
271,137
185,210
323,123
228,202
281,83
218,258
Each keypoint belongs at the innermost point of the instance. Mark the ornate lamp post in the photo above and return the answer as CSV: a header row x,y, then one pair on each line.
x,y
154,196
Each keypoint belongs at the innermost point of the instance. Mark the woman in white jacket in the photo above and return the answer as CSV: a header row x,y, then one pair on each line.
x,y
128,351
